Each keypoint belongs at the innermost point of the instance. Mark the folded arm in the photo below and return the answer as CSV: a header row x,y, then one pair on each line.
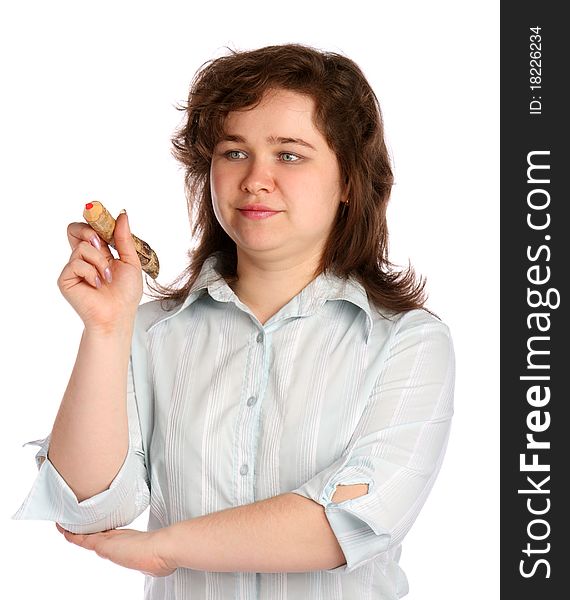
x,y
286,533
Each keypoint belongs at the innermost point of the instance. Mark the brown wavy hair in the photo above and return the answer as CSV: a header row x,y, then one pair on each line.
x,y
348,115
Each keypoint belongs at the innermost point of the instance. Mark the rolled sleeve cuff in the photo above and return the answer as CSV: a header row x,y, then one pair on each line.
x,y
354,522
52,499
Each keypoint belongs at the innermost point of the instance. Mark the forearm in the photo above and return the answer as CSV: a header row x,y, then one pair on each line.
x,y
89,439
286,533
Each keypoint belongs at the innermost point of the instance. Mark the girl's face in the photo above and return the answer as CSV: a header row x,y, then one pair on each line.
x,y
273,155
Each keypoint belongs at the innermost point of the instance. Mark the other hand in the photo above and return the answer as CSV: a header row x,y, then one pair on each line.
x,y
139,550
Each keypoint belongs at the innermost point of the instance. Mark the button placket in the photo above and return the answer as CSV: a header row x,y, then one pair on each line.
x,y
248,429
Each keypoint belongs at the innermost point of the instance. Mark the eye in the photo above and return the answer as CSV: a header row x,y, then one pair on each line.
x,y
234,154
289,157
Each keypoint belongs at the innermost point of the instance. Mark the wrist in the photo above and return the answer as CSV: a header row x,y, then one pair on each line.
x,y
168,547
115,330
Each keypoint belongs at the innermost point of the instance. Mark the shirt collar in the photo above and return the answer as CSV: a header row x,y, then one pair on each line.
x,y
324,287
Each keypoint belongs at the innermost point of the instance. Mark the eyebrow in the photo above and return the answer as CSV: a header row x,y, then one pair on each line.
x,y
271,140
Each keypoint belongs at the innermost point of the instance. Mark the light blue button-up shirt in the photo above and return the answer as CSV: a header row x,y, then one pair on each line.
x,y
225,411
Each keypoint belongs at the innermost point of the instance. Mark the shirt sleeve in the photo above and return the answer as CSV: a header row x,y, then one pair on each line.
x,y
127,496
399,443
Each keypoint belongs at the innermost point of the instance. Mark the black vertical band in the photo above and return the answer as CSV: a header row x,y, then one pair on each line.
x,y
535,257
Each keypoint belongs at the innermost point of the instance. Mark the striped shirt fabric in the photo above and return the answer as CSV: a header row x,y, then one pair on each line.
x,y
226,411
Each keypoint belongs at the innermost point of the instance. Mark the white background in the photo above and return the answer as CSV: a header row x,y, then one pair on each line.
x,y
87,112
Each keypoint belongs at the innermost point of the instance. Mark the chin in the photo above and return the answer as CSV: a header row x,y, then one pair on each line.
x,y
260,246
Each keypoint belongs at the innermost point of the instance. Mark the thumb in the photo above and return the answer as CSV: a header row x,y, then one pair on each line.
x,y
124,241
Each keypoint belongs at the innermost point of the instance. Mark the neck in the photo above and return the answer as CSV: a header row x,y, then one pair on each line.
x,y
267,287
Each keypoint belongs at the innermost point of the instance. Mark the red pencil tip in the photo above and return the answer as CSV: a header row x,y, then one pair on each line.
x,y
89,206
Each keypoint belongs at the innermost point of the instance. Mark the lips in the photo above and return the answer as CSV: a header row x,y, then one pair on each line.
x,y
258,208
257,212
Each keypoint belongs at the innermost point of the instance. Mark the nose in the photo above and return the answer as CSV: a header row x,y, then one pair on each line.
x,y
258,177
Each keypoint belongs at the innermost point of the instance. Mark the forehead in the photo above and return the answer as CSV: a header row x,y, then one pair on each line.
x,y
283,111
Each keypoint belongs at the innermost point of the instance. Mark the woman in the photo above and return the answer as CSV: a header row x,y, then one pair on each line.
x,y
289,398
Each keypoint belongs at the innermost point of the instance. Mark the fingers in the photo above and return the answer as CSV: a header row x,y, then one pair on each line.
x,y
83,540
81,232
123,241
88,540
86,263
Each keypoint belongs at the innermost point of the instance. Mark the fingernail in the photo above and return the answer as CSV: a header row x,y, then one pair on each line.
x,y
122,211
95,242
108,275
97,281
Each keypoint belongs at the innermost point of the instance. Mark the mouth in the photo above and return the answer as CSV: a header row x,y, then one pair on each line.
x,y
258,207
258,214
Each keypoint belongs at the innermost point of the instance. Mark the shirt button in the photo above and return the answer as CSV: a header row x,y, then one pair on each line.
x,y
244,469
251,400
260,337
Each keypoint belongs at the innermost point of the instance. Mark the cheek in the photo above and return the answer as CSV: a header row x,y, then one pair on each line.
x,y
221,171
320,191
215,182
217,193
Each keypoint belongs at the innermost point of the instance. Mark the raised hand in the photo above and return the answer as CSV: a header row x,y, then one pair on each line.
x,y
104,291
